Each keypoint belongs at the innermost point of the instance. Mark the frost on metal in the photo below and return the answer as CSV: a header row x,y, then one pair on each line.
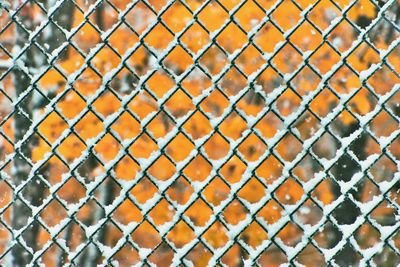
x,y
199,133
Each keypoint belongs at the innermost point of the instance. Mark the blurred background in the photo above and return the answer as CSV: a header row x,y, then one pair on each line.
x,y
157,132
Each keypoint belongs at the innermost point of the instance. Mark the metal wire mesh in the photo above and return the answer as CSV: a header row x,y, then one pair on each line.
x,y
217,132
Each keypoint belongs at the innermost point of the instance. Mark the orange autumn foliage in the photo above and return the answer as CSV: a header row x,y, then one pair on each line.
x,y
137,100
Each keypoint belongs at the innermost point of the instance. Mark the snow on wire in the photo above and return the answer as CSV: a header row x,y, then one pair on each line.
x,y
215,132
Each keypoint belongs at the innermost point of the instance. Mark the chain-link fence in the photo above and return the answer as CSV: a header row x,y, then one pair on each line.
x,y
199,133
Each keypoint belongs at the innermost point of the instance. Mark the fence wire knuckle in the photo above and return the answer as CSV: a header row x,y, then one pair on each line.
x,y
199,133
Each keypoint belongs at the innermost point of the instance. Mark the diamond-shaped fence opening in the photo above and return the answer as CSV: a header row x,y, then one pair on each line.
x,y
199,133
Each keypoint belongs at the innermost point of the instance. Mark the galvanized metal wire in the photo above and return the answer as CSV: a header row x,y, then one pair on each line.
x,y
26,61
